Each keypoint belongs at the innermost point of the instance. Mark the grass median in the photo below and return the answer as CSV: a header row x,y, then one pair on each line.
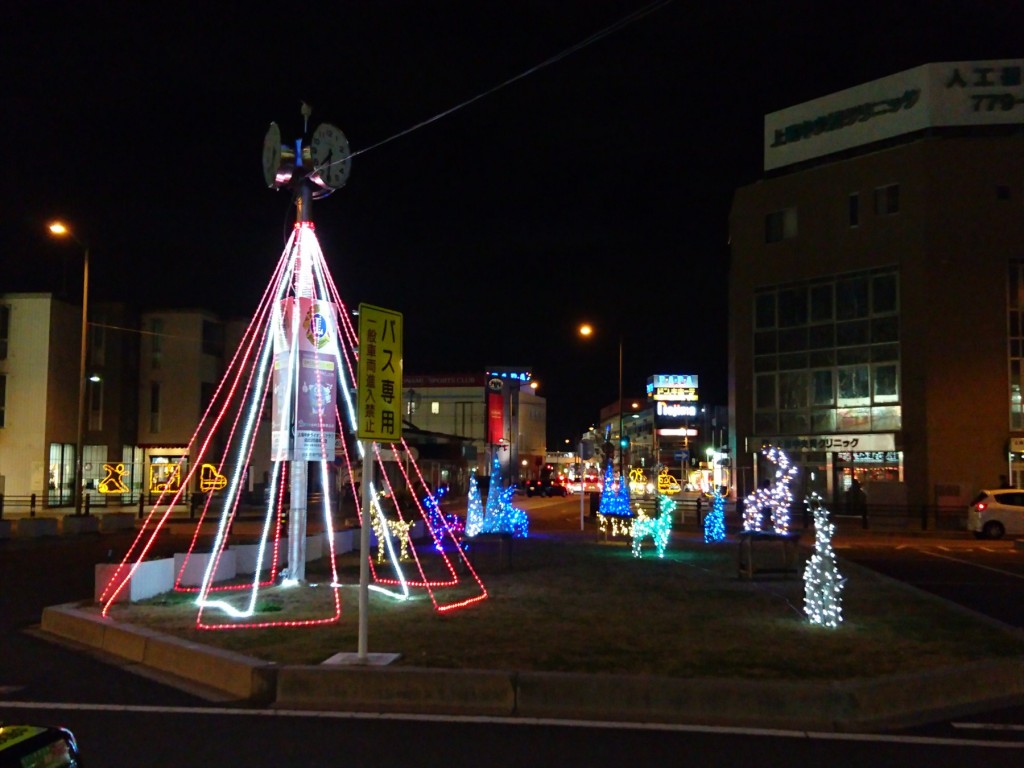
x,y
573,604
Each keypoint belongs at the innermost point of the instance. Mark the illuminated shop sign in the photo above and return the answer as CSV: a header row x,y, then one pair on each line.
x,y
679,432
674,411
676,394
869,457
675,387
859,443
511,374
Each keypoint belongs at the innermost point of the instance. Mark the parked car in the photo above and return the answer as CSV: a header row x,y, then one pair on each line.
x,y
996,513
37,746
546,488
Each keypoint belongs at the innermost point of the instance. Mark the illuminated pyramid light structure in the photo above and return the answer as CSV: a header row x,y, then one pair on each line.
x,y
295,351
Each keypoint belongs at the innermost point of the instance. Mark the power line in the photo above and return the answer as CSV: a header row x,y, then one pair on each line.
x,y
599,35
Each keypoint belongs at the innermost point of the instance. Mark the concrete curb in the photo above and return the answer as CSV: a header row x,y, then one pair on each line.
x,y
857,705
397,689
240,676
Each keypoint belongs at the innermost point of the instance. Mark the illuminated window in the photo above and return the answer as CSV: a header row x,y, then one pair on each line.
x,y
827,352
435,407
1015,349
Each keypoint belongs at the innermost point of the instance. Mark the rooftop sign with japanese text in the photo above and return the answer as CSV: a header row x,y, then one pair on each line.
x,y
930,96
379,386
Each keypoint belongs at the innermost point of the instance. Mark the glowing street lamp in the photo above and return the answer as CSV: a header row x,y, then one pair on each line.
x,y
59,229
586,330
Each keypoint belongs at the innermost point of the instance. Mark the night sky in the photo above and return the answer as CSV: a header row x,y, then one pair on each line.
x,y
594,188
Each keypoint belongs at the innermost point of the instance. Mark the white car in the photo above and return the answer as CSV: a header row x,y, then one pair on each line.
x,y
995,513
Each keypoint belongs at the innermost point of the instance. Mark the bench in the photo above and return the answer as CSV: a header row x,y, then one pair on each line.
x,y
767,552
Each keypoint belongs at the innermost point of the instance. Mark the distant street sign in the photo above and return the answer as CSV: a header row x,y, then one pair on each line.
x,y
681,455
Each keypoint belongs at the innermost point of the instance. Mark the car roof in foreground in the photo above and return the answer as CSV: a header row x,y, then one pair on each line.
x,y
38,746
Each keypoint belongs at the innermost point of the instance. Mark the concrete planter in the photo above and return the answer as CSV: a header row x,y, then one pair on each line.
x,y
198,562
246,555
75,524
344,541
116,521
151,578
34,527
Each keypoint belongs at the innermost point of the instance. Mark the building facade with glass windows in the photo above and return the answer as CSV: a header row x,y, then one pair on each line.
x,y
40,357
877,290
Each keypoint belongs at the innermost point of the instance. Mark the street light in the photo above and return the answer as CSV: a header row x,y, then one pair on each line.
x,y
59,229
586,330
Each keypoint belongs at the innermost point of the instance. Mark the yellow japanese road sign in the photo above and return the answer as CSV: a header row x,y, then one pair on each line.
x,y
379,385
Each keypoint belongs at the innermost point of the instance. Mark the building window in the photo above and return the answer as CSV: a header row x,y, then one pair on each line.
x,y
154,406
887,200
435,407
1015,351
3,400
827,354
5,329
156,330
96,405
854,210
780,225
206,393
213,338
97,344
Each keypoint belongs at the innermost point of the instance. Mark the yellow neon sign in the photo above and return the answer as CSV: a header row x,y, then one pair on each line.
x,y
637,480
113,481
668,484
164,477
210,479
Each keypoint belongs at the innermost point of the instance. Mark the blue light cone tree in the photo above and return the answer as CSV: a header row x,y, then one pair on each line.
x,y
614,496
823,584
714,522
474,509
499,515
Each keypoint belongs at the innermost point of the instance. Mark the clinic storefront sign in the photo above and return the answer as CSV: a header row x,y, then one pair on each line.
x,y
827,443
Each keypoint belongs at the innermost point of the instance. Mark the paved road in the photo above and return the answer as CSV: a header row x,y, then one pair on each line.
x,y
985,576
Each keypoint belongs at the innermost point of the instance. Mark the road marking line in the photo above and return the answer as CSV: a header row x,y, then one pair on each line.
x,y
989,726
530,721
975,565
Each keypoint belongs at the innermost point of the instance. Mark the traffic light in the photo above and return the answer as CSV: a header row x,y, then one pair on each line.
x,y
623,442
